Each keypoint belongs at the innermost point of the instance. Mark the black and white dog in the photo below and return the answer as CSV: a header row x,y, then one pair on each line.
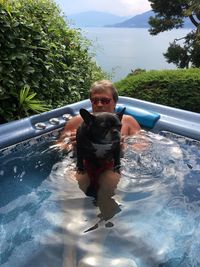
x,y
98,138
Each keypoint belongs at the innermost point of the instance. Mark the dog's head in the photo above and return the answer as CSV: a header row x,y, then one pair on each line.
x,y
103,127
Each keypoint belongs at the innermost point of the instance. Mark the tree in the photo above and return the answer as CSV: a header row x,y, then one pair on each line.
x,y
38,50
171,14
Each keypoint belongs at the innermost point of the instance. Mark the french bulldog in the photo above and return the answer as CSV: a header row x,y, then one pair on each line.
x,y
98,138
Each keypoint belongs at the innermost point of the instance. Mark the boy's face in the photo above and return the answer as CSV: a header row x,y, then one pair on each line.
x,y
102,102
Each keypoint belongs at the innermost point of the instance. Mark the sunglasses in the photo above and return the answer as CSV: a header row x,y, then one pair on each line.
x,y
103,100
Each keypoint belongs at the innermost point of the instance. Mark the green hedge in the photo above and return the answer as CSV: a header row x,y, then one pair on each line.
x,y
175,88
40,51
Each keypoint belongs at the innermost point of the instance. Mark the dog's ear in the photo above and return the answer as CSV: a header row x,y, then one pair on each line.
x,y
121,113
86,115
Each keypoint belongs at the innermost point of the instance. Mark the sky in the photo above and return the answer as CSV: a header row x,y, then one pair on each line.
x,y
116,7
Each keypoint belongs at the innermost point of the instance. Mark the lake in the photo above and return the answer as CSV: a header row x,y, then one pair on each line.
x,y
120,50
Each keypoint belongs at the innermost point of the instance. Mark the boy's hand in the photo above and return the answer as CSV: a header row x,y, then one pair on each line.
x,y
68,140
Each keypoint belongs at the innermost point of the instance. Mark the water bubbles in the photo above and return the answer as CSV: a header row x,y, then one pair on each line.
x,y
142,158
15,169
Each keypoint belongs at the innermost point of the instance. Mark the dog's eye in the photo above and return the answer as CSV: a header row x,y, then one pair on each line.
x,y
118,127
103,125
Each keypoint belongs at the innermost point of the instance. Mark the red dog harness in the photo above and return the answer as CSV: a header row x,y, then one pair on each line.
x,y
94,172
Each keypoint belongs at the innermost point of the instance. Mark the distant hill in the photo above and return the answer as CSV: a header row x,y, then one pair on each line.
x,y
138,21
94,19
141,21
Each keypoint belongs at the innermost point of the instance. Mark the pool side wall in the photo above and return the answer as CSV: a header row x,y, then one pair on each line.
x,y
169,119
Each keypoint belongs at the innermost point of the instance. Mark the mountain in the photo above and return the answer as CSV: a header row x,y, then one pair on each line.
x,y
138,21
141,21
94,19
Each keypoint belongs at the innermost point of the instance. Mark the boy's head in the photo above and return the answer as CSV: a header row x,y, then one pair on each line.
x,y
103,96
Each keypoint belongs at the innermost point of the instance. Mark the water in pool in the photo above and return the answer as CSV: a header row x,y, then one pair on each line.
x,y
46,220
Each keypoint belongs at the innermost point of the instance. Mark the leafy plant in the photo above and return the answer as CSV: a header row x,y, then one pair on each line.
x,y
27,101
176,88
39,49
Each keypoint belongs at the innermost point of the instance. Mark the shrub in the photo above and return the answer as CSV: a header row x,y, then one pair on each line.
x,y
176,88
39,50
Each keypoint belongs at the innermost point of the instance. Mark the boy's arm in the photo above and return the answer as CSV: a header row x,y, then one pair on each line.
x,y
67,137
